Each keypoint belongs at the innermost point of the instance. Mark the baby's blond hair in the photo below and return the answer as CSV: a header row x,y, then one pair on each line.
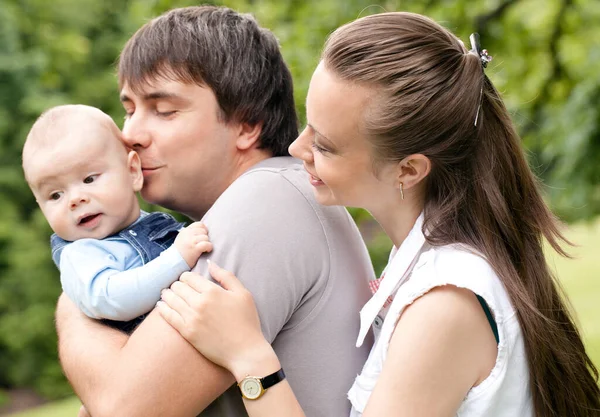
x,y
58,122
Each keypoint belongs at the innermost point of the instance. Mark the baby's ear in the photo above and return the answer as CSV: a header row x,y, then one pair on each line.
x,y
135,170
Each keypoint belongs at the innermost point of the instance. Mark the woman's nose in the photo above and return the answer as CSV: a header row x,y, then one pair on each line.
x,y
301,147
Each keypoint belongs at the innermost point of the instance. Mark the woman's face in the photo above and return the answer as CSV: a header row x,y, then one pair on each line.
x,y
334,147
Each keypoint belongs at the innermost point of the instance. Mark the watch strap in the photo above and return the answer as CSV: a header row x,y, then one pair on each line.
x,y
274,378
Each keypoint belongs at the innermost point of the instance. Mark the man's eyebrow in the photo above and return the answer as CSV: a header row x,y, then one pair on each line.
x,y
155,95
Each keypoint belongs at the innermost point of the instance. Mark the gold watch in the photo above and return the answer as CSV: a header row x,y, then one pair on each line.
x,y
253,387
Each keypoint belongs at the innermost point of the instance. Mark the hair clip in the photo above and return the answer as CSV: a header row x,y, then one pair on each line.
x,y
483,54
484,57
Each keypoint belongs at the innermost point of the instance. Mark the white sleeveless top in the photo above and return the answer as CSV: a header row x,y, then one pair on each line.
x,y
414,269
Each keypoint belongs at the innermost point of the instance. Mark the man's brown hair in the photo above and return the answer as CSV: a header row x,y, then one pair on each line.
x,y
226,51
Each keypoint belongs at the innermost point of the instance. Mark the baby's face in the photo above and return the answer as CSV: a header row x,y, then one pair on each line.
x,y
85,184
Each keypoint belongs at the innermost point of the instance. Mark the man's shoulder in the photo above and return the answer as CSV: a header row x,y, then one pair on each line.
x,y
275,199
272,185
278,174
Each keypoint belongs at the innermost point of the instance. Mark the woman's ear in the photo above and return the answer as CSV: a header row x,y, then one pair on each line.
x,y
412,170
134,164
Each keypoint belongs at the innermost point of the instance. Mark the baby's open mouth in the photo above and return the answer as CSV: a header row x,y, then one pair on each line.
x,y
88,219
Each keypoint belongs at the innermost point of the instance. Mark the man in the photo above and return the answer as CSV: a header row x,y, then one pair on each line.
x,y
210,111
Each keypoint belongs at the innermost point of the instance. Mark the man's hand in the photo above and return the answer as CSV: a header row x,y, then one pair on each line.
x,y
192,242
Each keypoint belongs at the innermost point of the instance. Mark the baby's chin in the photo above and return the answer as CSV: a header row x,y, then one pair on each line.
x,y
79,236
82,233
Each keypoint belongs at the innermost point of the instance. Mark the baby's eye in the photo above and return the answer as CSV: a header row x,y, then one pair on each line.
x,y
90,179
55,196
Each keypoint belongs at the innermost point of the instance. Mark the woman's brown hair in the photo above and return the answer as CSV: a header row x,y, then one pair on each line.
x,y
480,192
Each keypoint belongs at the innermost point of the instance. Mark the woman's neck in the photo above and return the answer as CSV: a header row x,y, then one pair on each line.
x,y
397,220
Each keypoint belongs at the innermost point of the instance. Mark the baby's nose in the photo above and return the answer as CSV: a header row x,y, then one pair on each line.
x,y
78,199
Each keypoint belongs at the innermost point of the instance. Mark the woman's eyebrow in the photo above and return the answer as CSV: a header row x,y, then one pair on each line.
x,y
321,136
325,142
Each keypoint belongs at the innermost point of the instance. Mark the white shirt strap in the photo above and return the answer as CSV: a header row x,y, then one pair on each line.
x,y
394,275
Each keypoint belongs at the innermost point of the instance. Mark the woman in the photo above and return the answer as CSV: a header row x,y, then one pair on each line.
x,y
468,319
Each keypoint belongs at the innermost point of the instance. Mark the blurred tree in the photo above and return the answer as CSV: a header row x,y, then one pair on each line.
x,y
547,62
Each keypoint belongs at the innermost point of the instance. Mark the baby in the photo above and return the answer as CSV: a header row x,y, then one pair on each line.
x,y
114,259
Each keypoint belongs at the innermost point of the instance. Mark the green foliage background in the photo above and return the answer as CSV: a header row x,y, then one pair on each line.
x,y
547,64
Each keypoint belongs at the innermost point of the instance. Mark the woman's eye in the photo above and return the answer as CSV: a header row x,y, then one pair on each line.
x,y
318,148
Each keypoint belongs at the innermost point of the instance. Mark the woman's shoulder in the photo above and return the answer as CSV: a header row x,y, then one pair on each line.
x,y
458,257
463,267
455,262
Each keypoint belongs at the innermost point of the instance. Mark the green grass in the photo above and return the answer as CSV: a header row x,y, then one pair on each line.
x,y
580,277
62,408
581,280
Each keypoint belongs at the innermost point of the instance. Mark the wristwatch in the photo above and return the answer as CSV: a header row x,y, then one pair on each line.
x,y
253,387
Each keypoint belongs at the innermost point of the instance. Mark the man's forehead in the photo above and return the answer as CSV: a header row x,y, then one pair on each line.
x,y
153,89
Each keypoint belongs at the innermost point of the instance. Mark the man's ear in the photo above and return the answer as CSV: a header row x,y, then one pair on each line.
x,y
412,170
134,164
248,136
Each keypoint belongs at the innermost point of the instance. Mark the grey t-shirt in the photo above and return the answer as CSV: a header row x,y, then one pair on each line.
x,y
307,268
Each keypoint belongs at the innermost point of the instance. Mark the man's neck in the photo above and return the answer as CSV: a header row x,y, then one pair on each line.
x,y
241,163
246,160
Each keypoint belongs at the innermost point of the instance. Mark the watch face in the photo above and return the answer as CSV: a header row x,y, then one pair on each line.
x,y
251,388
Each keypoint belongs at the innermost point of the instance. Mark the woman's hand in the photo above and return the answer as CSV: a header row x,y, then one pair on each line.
x,y
221,322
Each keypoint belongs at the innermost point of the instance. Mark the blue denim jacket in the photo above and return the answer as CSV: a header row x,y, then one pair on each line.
x,y
150,235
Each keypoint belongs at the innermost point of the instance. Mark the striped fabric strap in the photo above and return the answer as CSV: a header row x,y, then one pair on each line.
x,y
374,286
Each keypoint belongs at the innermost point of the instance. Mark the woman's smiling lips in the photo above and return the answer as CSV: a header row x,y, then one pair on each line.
x,y
313,179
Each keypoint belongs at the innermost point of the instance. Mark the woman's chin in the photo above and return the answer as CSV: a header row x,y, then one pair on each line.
x,y
326,198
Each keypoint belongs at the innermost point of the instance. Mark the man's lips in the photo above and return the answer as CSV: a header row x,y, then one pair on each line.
x,y
150,169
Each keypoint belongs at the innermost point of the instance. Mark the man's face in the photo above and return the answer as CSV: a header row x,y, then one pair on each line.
x,y
187,153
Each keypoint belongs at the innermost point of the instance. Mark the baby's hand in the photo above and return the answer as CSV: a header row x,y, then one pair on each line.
x,y
192,241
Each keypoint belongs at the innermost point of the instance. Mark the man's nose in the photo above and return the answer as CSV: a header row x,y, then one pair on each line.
x,y
135,134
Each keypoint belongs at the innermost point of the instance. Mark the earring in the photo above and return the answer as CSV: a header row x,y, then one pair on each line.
x,y
401,191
